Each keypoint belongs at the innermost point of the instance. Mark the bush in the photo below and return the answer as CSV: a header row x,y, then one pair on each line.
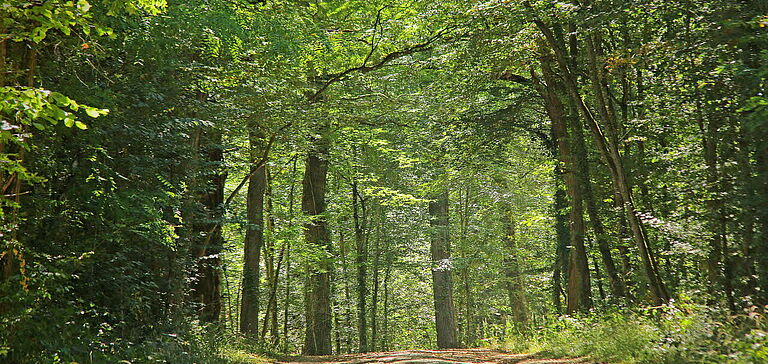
x,y
676,333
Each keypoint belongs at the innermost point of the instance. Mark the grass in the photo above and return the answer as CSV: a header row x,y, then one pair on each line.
x,y
682,333
240,356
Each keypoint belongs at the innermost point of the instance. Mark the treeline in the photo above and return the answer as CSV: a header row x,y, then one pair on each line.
x,y
339,176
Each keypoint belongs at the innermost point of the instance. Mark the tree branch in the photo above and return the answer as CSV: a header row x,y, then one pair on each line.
x,y
364,68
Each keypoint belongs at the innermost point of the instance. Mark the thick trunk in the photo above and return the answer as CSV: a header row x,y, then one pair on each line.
x,y
317,340
442,281
579,287
208,240
609,150
254,239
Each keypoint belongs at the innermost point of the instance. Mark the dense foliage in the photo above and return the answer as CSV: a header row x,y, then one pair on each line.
x,y
194,181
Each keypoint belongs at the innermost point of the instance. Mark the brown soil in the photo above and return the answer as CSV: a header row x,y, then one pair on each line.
x,y
454,356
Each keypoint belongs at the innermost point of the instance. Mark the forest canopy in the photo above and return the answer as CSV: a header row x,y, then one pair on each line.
x,y
217,181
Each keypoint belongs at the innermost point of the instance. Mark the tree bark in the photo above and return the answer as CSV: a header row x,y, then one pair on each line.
x,y
361,261
468,329
375,293
273,263
442,281
254,239
579,287
747,216
207,237
609,151
317,340
714,204
387,273
514,280
561,251
287,299
616,282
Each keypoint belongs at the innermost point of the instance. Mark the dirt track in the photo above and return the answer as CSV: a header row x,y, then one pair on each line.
x,y
456,356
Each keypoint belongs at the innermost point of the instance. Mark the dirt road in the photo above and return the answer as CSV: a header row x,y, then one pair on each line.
x,y
455,356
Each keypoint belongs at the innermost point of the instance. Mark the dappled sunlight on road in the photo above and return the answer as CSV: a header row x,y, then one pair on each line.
x,y
454,356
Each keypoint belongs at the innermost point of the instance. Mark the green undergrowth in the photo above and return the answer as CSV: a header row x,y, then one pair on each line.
x,y
183,344
676,333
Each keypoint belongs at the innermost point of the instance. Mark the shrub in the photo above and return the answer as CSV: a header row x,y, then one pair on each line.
x,y
675,333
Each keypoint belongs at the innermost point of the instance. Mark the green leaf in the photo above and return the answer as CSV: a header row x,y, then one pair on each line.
x,y
69,121
92,112
61,99
81,125
83,5
58,113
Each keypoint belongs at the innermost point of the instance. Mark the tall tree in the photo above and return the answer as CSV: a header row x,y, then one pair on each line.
x,y
317,340
361,261
606,142
207,239
254,236
514,280
579,288
442,280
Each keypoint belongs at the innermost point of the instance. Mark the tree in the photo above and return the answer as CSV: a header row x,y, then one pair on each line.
x,y
442,280
317,340
254,237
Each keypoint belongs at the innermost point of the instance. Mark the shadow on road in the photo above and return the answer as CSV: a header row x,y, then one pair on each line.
x,y
454,356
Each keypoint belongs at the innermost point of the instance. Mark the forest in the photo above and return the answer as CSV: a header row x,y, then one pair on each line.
x,y
402,181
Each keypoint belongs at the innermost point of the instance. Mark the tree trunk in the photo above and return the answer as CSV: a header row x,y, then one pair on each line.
x,y
514,280
761,242
563,239
335,310
375,293
579,287
609,150
714,264
347,296
273,263
580,151
254,239
467,331
287,299
207,236
387,272
442,281
747,216
361,261
317,340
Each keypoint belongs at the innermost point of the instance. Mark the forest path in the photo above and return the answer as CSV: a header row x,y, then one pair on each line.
x,y
453,356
